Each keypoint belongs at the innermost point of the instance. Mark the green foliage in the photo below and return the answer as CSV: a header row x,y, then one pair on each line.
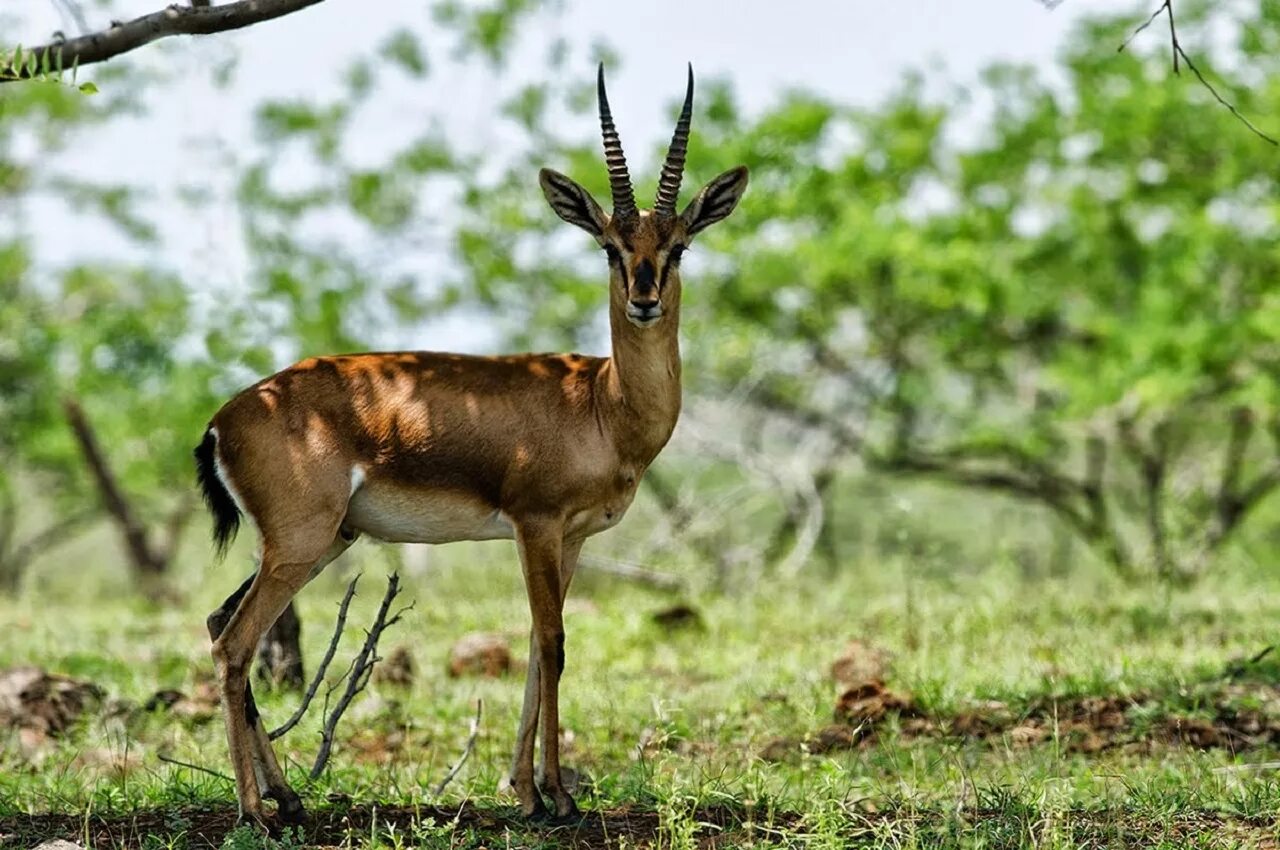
x,y
1072,309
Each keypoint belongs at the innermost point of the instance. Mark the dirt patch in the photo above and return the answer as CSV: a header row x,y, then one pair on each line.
x,y
480,654
38,705
1232,716
860,662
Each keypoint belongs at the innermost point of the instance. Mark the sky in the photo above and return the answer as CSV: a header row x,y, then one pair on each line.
x,y
853,50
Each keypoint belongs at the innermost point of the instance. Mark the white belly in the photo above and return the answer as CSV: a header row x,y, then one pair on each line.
x,y
401,515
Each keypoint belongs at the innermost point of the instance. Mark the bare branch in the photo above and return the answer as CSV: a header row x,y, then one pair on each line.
x,y
119,38
297,715
632,572
1148,22
466,752
361,669
146,561
49,537
170,760
1178,53
1152,463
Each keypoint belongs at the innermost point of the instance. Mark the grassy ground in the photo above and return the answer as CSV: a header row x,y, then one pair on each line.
x,y
1049,712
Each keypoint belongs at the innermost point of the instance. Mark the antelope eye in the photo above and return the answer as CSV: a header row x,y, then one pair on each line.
x,y
612,253
676,252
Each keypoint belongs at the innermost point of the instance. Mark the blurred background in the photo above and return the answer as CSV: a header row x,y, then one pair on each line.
x,y
981,400
991,274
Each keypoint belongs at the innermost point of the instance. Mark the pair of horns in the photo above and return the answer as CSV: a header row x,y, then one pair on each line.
x,y
624,197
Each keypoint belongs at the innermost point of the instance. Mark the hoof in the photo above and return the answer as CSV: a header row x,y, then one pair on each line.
x,y
566,809
534,809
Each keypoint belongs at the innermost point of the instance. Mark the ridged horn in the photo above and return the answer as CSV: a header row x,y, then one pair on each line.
x,y
624,197
673,168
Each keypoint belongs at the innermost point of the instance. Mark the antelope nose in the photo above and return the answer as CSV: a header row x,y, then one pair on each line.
x,y
644,312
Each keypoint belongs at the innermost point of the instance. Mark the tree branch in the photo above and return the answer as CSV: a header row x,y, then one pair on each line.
x,y
361,669
146,561
297,715
119,38
1152,463
632,572
1227,503
1178,53
47,538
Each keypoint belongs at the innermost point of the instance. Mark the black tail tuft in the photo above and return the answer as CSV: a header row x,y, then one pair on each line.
x,y
226,516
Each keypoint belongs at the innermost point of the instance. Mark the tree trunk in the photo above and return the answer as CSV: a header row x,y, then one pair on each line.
x,y
148,564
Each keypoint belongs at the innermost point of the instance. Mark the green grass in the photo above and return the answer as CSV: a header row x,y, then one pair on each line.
x,y
669,725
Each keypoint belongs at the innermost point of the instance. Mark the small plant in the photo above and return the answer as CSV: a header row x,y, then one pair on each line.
x,y
246,837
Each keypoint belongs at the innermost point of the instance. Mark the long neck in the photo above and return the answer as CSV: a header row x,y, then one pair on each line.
x,y
643,381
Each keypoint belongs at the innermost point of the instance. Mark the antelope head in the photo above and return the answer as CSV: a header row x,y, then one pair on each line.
x,y
644,246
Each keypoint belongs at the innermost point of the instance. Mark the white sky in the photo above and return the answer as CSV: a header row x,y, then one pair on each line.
x,y
853,50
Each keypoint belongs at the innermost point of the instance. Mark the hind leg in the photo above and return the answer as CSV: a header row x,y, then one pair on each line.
x,y
244,617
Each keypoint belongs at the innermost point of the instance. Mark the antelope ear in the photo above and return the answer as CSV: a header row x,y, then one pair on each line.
x,y
716,200
572,203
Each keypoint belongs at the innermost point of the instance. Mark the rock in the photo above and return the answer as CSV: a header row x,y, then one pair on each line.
x,y
58,844
859,662
397,669
480,654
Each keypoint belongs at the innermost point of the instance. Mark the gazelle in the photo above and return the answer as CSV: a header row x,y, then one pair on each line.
x,y
431,448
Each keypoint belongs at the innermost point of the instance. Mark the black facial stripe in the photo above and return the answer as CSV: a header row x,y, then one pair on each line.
x,y
673,261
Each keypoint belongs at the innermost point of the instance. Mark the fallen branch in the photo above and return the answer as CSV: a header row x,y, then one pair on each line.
x,y
358,675
632,572
293,720
28,63
466,751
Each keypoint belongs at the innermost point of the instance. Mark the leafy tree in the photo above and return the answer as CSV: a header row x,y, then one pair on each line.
x,y
1076,310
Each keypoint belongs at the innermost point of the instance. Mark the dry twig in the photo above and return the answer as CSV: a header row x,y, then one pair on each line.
x,y
284,728
358,675
632,572
1166,6
170,760
466,752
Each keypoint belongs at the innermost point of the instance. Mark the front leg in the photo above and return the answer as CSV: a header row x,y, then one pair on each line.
x,y
522,760
541,545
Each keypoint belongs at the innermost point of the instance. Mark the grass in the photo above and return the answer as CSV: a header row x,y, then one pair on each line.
x,y
669,725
